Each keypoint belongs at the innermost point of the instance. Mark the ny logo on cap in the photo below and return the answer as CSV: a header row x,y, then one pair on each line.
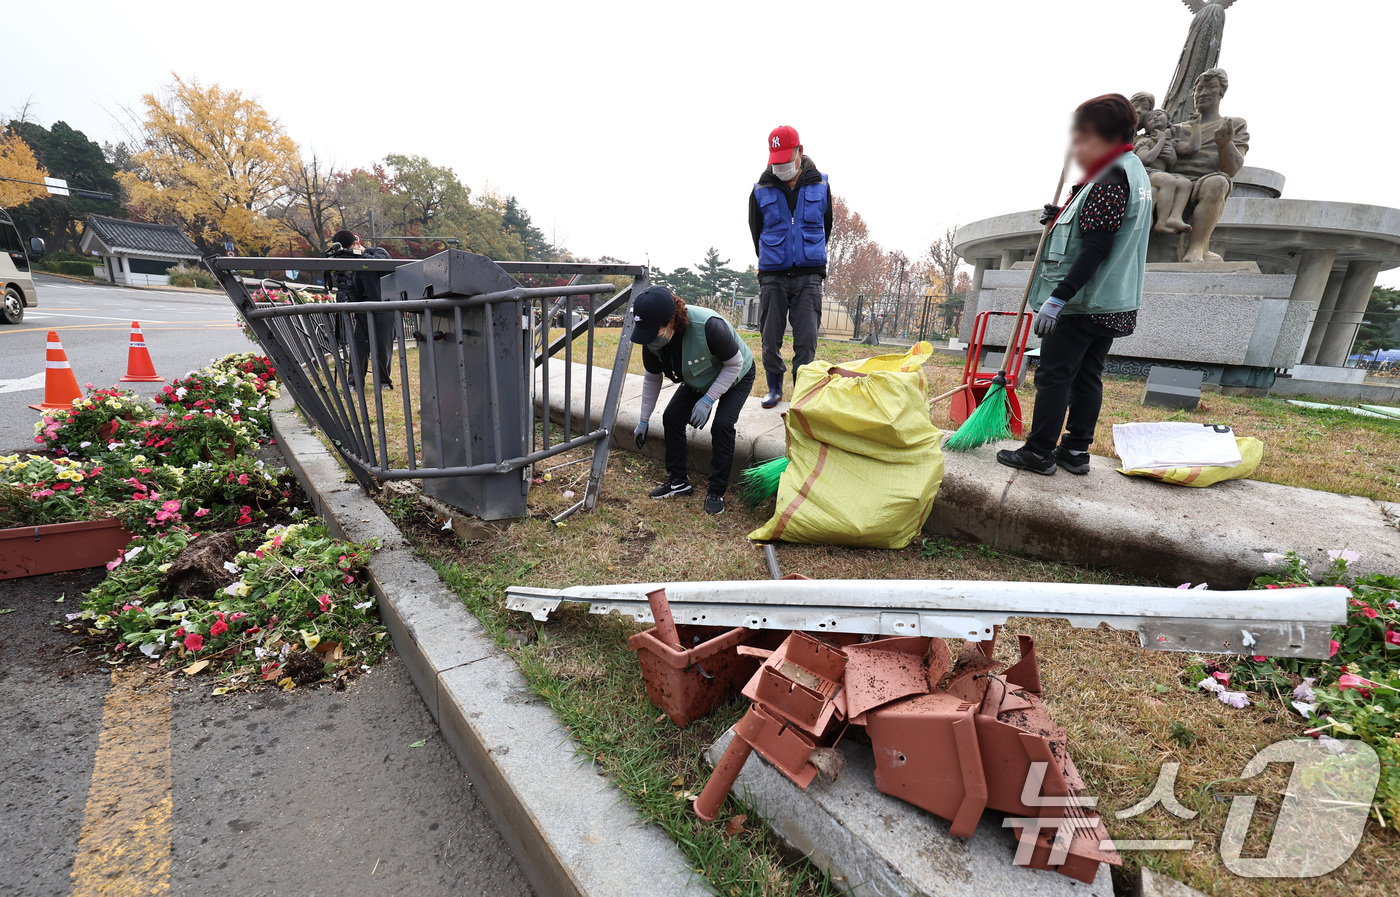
x,y
636,318
777,142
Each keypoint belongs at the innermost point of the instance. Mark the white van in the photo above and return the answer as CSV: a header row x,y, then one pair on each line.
x,y
14,272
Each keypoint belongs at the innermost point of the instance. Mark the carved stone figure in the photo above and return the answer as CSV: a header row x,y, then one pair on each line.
x,y
1144,102
1223,143
1159,148
1200,53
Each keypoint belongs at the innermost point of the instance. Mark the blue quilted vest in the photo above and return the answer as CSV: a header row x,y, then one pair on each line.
x,y
794,239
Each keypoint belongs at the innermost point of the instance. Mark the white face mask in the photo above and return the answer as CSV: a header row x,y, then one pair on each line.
x,y
787,171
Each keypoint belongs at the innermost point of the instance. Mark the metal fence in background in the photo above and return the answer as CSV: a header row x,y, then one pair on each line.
x,y
485,343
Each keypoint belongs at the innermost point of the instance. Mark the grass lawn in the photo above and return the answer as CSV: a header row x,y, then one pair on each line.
x,y
1127,710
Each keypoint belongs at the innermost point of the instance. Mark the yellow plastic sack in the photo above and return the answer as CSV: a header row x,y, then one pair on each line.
x,y
1251,449
864,458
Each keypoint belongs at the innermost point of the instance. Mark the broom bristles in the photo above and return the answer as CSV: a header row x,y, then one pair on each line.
x,y
990,422
760,482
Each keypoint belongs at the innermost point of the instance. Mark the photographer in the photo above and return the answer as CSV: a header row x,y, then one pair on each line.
x,y
363,286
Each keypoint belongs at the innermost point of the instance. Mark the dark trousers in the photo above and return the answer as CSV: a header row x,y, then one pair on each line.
x,y
783,300
1069,378
722,419
384,337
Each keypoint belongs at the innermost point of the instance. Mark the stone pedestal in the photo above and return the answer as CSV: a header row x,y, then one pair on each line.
x,y
1210,317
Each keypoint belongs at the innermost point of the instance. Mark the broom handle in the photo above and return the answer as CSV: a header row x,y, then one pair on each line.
x,y
1035,263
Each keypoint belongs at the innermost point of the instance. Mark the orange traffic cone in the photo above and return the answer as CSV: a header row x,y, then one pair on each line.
x,y
139,368
60,386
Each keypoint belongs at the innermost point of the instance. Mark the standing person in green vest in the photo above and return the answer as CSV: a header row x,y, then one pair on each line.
x,y
1087,287
701,351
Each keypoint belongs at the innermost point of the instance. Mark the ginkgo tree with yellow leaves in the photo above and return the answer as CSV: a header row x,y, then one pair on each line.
x,y
212,161
18,163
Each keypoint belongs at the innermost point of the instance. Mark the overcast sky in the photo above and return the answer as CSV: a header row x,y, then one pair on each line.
x,y
636,129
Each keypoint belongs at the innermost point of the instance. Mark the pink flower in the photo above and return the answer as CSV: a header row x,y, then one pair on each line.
x,y
1259,657
1392,638
171,506
242,479
1371,613
234,618
244,519
201,512
1223,677
325,602
348,579
219,628
1351,680
194,641
1333,651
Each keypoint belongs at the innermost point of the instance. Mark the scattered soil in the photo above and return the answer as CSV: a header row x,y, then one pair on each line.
x,y
198,571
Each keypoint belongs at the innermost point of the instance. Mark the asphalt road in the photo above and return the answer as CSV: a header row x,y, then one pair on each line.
x,y
183,331
307,793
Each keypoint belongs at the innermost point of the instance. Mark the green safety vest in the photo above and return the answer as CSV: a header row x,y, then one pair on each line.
x,y
1117,285
698,367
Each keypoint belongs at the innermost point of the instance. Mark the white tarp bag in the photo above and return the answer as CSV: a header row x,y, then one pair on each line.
x,y
1157,445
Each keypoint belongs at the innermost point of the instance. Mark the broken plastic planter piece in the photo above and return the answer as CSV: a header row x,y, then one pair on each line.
x,y
1271,622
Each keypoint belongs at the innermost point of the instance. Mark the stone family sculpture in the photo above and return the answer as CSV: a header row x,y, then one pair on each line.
x,y
1192,163
1191,151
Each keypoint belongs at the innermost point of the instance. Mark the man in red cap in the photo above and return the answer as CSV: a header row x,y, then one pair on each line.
x,y
790,218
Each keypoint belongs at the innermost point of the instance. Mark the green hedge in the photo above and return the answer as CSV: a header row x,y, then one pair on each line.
x,y
72,269
192,277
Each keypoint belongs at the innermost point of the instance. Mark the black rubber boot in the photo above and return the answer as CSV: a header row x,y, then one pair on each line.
x,y
775,390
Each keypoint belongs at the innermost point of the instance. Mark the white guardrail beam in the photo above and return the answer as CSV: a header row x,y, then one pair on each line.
x,y
1270,622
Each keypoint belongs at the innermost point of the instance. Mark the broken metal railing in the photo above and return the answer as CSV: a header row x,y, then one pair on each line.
x,y
1275,622
484,343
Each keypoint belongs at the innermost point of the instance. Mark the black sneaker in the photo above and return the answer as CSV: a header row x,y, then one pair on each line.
x,y
1025,459
714,504
672,488
1076,463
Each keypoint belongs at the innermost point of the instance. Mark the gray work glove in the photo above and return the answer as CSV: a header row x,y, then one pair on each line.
x,y
640,434
700,414
1048,318
1050,213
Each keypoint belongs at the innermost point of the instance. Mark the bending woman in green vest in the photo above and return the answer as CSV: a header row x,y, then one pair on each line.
x,y
1088,286
701,351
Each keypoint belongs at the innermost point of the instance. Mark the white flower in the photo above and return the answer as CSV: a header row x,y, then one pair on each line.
x,y
1344,554
135,551
238,589
1210,683
1273,558
1305,710
1334,746
1304,692
151,649
181,392
1235,699
84,444
231,567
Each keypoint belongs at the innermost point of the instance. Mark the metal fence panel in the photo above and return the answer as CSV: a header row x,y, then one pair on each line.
x,y
479,336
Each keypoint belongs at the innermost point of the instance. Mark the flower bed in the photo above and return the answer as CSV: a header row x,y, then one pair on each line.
x,y
226,573
1355,693
286,605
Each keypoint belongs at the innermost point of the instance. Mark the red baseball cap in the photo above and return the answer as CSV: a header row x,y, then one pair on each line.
x,y
781,142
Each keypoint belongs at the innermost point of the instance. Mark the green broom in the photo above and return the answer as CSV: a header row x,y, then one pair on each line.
x,y
760,482
991,420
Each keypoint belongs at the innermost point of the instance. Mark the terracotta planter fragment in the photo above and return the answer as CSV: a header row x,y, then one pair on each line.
x,y
56,547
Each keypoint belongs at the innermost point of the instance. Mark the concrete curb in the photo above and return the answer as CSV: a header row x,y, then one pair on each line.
x,y
1172,534
572,832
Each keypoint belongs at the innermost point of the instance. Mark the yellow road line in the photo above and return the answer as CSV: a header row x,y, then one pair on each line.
x,y
125,845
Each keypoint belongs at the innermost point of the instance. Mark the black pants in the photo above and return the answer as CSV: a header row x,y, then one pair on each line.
x,y
1070,377
384,337
726,412
782,299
